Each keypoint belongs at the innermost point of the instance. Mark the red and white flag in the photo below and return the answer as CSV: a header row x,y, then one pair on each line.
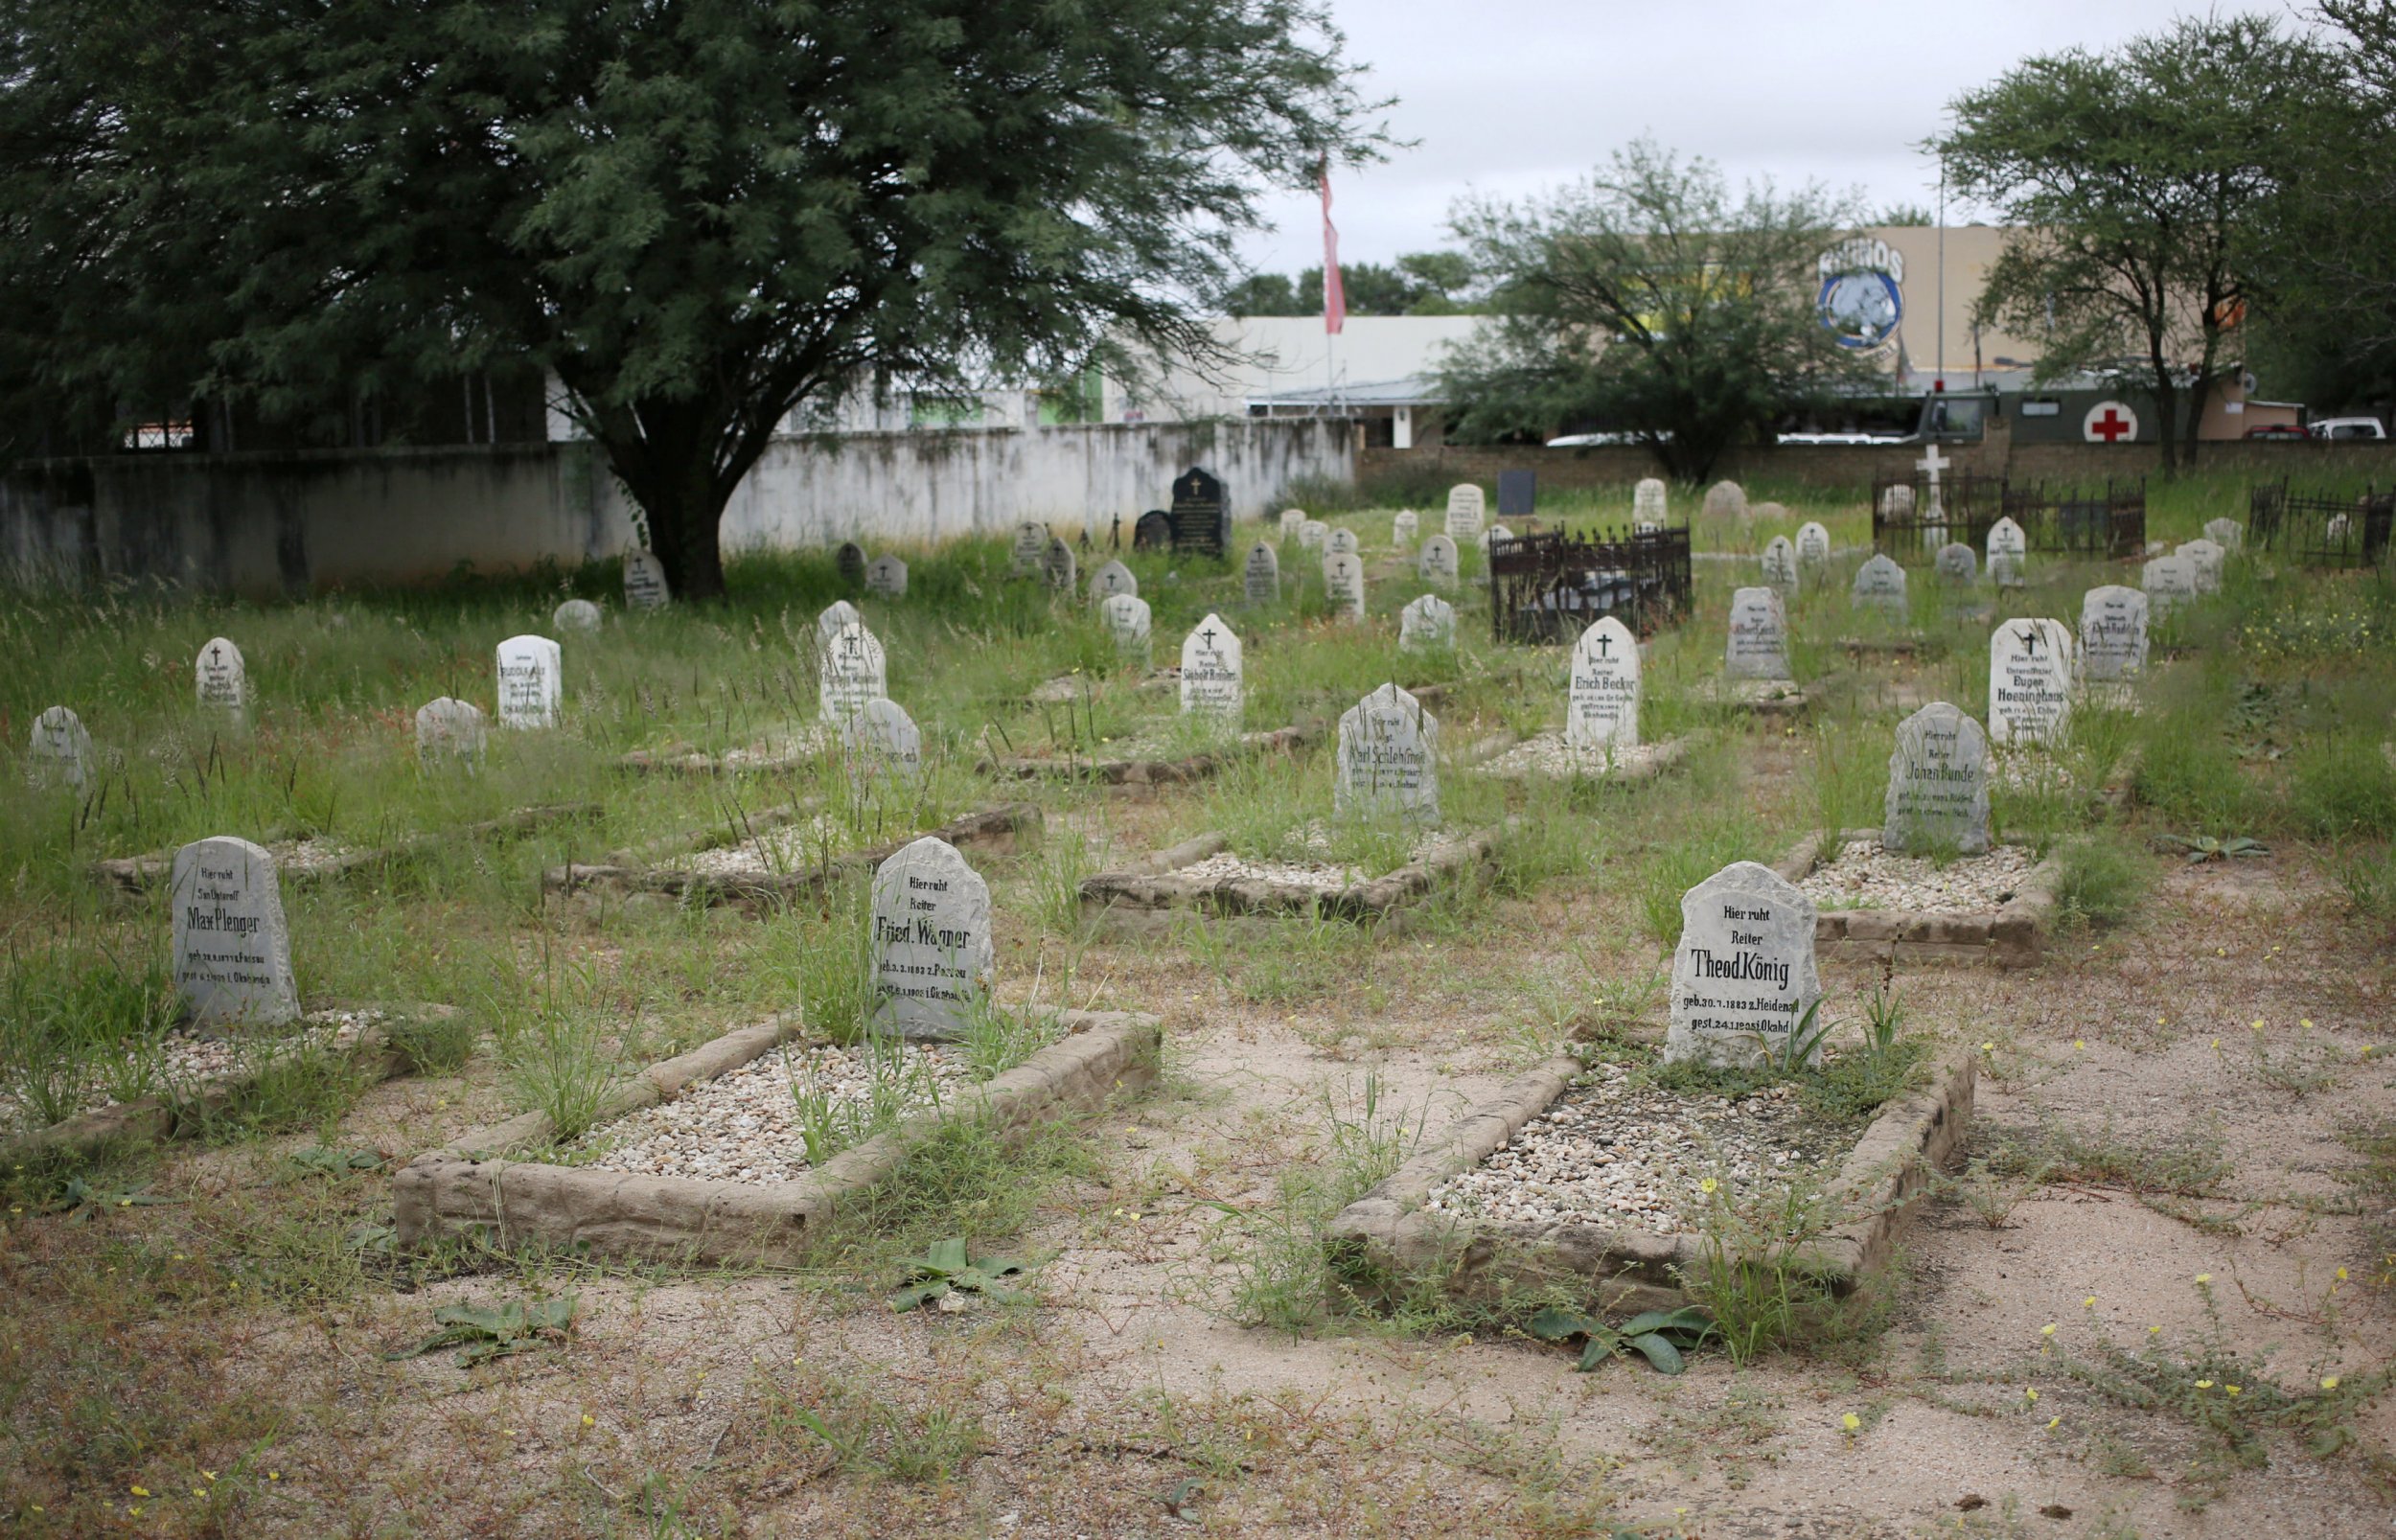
x,y
1334,293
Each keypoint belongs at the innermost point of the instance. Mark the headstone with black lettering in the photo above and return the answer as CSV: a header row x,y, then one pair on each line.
x,y
932,954
1437,564
1402,530
1938,783
1466,510
232,950
1202,517
849,561
222,679
1110,580
2112,635
1153,531
1059,566
836,616
1263,574
451,730
1343,585
2030,680
2169,581
1744,974
881,740
2209,559
1427,625
1758,648
2009,554
885,576
1879,585
60,754
1779,563
1388,761
532,681
1602,713
1813,545
644,581
1649,501
576,614
1518,494
1127,620
1341,541
1031,547
1212,681
852,671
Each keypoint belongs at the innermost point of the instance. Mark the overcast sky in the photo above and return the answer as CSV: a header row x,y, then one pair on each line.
x,y
1514,96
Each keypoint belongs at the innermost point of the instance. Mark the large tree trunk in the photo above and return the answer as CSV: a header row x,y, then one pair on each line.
x,y
681,461
685,523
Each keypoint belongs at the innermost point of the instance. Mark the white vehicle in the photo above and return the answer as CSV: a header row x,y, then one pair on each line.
x,y
2349,427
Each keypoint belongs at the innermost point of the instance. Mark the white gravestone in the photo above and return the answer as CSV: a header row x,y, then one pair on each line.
x,y
1779,563
1495,532
1743,974
1059,566
1110,580
1343,585
1602,715
60,754
232,951
1897,502
1402,530
1313,535
222,678
1759,640
2030,682
576,614
1388,759
853,672
1263,575
2209,558
1292,521
532,681
1126,617
2226,533
1649,501
1768,512
1341,542
882,739
1031,547
1938,783
450,729
1466,510
887,576
837,617
1725,502
1956,563
1213,682
644,581
2009,553
2112,635
1437,564
1427,624
1813,545
932,954
1879,585
2169,581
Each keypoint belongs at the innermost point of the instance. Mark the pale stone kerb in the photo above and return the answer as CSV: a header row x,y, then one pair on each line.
x,y
1894,1166
1469,1142
1801,860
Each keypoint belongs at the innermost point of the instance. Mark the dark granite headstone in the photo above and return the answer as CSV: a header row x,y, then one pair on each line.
x,y
1517,492
1202,520
850,562
1154,532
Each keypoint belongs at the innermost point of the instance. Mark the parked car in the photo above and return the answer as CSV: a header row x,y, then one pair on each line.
x,y
2278,431
2349,427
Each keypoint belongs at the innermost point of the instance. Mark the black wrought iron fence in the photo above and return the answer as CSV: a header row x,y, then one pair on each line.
x,y
2321,529
1548,586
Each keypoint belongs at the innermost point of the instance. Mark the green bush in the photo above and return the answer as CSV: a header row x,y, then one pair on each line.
x,y
2342,785
2099,880
2188,775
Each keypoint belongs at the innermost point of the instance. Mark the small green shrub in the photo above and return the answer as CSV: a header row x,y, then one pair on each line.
x,y
2188,774
2099,880
2342,785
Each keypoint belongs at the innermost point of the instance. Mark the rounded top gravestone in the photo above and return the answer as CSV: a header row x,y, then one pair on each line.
x,y
1725,502
232,950
1779,563
2168,581
1879,585
1427,624
1744,974
2030,681
1649,500
838,617
450,729
1813,545
1938,784
1491,534
881,739
1060,565
2226,533
575,614
2209,557
1212,685
1956,563
1465,509
1341,542
644,581
1388,761
1032,546
1768,512
1602,714
885,576
1126,618
2112,635
1437,564
222,678
1154,531
532,681
1111,579
1313,535
1263,575
932,950
853,671
1344,583
60,754
1291,520
1403,529
1758,648
849,561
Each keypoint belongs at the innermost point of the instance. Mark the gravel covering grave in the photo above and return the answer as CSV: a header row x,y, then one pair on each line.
x,y
1864,876
187,1059
787,847
1549,754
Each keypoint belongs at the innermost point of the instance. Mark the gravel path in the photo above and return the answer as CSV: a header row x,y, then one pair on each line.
x,y
187,1059
747,1126
1866,877
1609,1153
1548,755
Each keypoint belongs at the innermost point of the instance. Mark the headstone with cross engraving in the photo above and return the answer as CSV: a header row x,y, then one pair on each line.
x,y
2209,558
1879,585
1938,783
1602,711
1292,521
1743,974
2169,581
644,581
1126,618
60,754
1314,534
1031,548
1110,580
1387,760
2030,682
932,950
1814,546
852,671
885,576
1466,510
2009,553
881,740
1213,682
2113,635
532,681
2226,533
1341,542
449,730
232,949
575,614
849,561
1426,625
1343,585
1779,563
1495,532
1201,515
1402,530
1759,637
1437,564
1649,501
1956,564
224,681
1262,575
837,615
1059,566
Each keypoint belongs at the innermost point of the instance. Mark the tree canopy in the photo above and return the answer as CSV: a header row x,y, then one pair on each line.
x,y
1419,282
699,216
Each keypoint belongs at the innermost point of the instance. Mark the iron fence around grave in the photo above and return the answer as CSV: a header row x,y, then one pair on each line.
x,y
2077,522
2321,529
1547,587
1965,508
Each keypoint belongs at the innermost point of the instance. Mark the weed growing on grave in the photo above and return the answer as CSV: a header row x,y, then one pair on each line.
x,y
1991,1193
1757,1275
2101,877
2342,786
2367,876
866,1435
79,1018
1669,871
1845,777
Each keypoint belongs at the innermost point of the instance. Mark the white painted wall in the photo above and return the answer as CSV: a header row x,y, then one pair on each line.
x,y
1283,352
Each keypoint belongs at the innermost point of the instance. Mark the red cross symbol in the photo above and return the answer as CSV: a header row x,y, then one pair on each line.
x,y
2110,427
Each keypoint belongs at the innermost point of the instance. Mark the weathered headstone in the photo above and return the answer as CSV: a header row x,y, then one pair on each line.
x,y
2169,581
1744,975
450,729
2030,680
60,754
881,739
1437,564
1649,501
1767,513
1466,510
1495,532
1518,494
532,681
1956,563
1897,502
1759,637
1725,503
1427,624
644,581
853,671
2112,635
1879,585
1341,542
837,615
849,561
1779,563
1031,548
1402,530
1938,783
222,679
1314,534
2226,533
1110,580
1202,516
232,950
933,954
1813,545
1292,521
1602,713
886,577
2009,553
1343,585
1263,574
1213,682
576,614
2209,558
1388,758
1060,565
1153,531
1126,617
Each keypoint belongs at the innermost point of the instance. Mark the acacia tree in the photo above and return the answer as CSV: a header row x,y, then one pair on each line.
x,y
2139,186
1647,296
700,214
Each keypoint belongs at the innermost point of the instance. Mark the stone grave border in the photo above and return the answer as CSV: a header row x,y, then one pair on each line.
x,y
997,830
132,876
1146,895
2011,935
1388,1238
1195,767
470,1185
169,1115
1666,756
1726,694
